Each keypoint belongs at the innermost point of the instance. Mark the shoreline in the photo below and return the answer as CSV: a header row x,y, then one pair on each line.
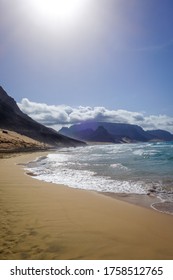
x,y
150,201
143,200
47,221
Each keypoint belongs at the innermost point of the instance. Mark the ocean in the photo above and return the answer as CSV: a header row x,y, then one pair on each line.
x,y
140,168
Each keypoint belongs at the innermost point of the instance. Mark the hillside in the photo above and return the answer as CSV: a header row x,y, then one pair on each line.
x,y
11,141
13,119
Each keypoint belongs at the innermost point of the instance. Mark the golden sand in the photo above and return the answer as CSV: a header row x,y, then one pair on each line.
x,y
46,221
13,141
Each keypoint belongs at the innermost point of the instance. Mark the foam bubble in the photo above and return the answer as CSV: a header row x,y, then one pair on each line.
x,y
119,166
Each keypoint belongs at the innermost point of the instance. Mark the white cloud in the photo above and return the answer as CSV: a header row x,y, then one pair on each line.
x,y
60,115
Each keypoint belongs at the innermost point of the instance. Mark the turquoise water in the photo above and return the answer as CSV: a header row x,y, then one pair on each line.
x,y
120,168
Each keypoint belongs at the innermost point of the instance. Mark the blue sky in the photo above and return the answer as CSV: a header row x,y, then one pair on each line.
x,y
111,54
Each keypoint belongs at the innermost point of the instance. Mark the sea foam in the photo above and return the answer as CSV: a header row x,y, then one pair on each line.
x,y
121,168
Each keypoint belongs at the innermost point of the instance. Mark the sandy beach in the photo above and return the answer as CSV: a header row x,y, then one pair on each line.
x,y
46,221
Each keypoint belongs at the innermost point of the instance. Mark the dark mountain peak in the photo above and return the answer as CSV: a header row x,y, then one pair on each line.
x,y
2,92
7,100
10,105
12,118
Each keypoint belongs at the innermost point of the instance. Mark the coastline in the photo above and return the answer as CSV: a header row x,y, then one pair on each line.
x,y
46,221
143,200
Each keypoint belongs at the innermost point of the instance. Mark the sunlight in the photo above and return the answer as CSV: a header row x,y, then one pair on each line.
x,y
63,11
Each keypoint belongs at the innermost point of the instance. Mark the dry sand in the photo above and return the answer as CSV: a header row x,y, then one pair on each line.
x,y
13,141
46,221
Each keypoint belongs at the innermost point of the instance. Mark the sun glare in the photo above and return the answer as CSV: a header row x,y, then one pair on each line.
x,y
58,10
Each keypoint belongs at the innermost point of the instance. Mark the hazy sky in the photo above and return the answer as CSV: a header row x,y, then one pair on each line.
x,y
110,55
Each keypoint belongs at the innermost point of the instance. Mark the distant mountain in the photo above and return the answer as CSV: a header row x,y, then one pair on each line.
x,y
101,134
161,134
12,118
114,133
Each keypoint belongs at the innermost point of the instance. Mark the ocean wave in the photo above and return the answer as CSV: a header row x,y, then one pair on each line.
x,y
87,180
128,168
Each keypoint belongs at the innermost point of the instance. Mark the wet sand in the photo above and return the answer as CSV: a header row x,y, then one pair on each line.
x,y
41,220
149,201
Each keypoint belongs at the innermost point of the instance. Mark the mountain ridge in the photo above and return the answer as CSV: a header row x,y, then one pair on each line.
x,y
116,133
13,119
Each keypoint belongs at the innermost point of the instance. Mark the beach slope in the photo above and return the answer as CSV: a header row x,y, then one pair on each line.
x,y
46,221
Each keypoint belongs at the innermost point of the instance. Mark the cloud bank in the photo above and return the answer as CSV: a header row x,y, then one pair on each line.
x,y
63,115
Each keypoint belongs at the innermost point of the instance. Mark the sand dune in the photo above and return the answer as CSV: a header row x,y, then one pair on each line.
x,y
45,221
